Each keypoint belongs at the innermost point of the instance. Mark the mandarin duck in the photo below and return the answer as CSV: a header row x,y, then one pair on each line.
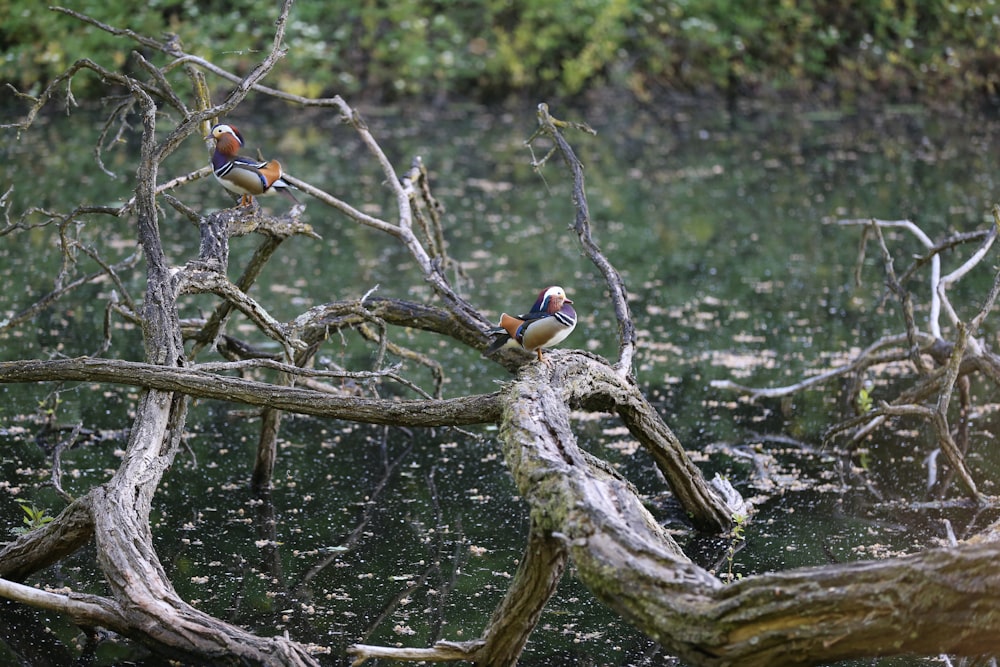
x,y
243,176
549,321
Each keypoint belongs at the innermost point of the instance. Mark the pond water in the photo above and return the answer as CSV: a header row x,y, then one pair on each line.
x,y
720,225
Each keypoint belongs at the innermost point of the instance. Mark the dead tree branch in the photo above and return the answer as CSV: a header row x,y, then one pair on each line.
x,y
118,511
479,409
580,508
802,617
549,126
929,397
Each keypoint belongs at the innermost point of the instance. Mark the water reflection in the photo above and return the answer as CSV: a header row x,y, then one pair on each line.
x,y
390,536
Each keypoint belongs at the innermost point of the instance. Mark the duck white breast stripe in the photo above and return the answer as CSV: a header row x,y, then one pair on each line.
x,y
564,319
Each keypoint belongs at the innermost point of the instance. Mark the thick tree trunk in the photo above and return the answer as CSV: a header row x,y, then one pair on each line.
x,y
143,603
940,601
595,385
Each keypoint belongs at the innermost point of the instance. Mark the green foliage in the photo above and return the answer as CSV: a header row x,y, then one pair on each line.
x,y
736,539
49,406
889,45
864,399
490,48
33,518
864,459
39,43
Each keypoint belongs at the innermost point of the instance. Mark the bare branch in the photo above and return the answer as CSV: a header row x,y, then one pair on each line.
x,y
935,263
86,610
148,42
870,356
442,651
616,285
170,185
929,398
912,333
480,409
47,300
222,367
197,280
956,275
343,207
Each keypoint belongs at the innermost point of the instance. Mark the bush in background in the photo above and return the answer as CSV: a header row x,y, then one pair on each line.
x,y
491,49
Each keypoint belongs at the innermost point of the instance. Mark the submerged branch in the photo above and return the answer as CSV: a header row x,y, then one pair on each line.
x,y
595,386
930,395
871,356
935,259
580,507
563,485
512,622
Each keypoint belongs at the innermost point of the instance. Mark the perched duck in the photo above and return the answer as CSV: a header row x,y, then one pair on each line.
x,y
550,320
243,176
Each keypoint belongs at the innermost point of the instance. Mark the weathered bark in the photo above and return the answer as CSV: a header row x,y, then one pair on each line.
x,y
143,604
315,324
267,450
217,254
534,583
940,601
594,385
39,548
478,409
151,612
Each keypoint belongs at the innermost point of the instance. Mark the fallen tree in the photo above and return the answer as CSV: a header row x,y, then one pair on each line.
x,y
942,600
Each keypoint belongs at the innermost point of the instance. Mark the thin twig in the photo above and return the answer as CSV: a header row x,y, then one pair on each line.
x,y
935,278
582,225
66,442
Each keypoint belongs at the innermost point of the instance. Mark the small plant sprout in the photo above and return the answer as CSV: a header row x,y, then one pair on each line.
x,y
33,518
736,541
864,398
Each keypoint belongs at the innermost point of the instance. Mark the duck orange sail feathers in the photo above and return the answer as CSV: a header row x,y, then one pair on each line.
x,y
548,323
243,176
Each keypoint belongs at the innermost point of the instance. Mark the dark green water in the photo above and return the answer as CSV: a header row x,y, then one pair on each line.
x,y
719,225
